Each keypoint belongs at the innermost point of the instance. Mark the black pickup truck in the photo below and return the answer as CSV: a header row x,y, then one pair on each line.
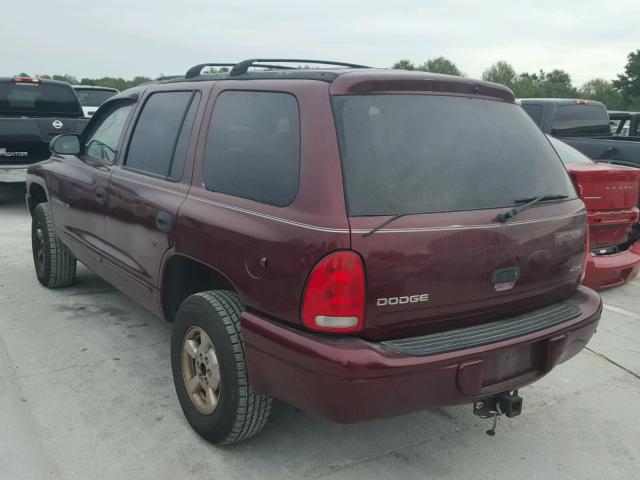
x,y
583,124
32,112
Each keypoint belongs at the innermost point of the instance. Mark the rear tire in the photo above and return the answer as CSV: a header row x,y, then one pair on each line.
x,y
55,265
219,402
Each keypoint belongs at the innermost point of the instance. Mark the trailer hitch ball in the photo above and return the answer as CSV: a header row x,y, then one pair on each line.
x,y
505,403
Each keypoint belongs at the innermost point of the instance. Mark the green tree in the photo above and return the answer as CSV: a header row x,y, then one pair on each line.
x,y
558,77
440,65
404,64
629,81
65,78
23,75
554,84
501,72
557,84
115,82
603,91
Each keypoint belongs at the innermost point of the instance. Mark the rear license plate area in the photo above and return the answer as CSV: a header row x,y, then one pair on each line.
x,y
513,362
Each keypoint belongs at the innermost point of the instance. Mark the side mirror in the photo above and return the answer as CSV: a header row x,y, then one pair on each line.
x,y
67,144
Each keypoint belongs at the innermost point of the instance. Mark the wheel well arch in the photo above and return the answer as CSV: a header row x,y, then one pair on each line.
x,y
183,276
37,195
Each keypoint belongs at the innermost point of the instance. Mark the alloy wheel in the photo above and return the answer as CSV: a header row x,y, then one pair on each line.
x,y
200,370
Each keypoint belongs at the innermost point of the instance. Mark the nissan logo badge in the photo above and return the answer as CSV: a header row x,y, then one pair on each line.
x,y
57,124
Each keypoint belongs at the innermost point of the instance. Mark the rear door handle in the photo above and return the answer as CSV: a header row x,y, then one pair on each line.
x,y
101,195
163,221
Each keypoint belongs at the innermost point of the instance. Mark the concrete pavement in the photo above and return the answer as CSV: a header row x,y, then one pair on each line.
x,y
86,392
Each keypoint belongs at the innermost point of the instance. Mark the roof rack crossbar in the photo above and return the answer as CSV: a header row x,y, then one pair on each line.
x,y
242,67
196,69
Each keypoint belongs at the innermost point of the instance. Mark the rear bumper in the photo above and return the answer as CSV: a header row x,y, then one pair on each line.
x,y
604,271
13,173
348,379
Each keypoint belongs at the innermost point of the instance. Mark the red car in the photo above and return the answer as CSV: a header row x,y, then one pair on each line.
x,y
610,193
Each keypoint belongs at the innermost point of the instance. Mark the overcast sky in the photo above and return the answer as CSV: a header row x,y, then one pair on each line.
x,y
91,38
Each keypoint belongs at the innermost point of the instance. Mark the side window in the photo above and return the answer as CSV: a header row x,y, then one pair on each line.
x,y
161,136
253,147
101,144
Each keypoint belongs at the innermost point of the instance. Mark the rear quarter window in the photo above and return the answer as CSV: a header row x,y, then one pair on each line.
x,y
253,147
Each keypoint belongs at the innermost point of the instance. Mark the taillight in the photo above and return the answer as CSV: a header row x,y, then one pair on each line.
x,y
26,80
574,179
333,299
586,253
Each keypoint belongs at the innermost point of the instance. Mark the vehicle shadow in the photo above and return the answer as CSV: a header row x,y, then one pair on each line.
x,y
299,445
11,194
293,444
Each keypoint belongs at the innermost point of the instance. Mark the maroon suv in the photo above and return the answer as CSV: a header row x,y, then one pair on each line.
x,y
357,242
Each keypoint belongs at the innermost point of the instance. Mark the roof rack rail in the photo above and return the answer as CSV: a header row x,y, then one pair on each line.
x,y
196,69
242,67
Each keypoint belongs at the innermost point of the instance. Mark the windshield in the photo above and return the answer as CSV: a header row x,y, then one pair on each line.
x,y
435,153
94,97
38,99
567,153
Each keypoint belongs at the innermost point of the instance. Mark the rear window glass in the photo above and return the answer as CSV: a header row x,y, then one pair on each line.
x,y
431,153
253,148
38,99
94,98
581,120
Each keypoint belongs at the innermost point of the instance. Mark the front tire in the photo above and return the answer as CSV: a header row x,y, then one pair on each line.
x,y
55,265
209,370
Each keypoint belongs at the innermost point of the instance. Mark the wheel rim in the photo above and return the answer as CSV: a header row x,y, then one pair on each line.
x,y
38,243
200,370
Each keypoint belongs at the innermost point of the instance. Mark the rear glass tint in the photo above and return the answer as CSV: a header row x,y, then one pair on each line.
x,y
94,97
432,153
581,120
38,99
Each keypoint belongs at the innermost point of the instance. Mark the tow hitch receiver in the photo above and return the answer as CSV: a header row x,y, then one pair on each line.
x,y
505,403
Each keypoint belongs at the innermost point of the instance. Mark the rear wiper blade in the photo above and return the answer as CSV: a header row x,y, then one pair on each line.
x,y
529,202
386,222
